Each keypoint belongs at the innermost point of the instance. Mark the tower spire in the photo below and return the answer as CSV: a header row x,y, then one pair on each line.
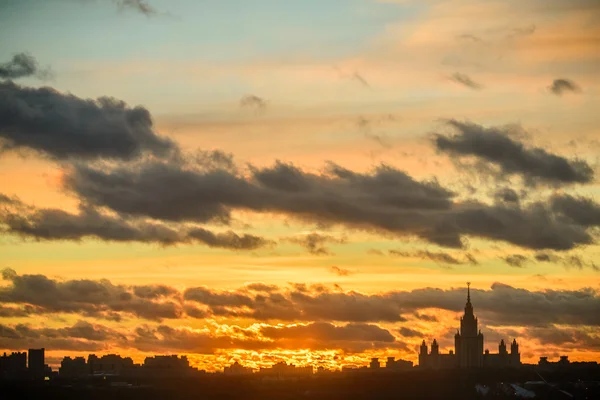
x,y
468,292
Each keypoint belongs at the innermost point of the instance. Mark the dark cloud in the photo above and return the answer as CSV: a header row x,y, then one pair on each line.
x,y
154,291
546,257
581,210
65,126
254,103
568,261
465,80
165,338
438,257
229,240
339,271
298,302
315,243
82,336
86,297
407,332
55,224
571,338
385,200
495,145
496,306
516,260
23,65
507,195
561,86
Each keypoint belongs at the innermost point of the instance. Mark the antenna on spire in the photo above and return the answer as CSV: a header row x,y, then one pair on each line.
x,y
468,291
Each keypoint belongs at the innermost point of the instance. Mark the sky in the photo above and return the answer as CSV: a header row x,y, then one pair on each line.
x,y
311,182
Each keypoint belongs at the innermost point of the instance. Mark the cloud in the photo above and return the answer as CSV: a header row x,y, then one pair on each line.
x,y
315,242
298,302
465,80
438,257
507,195
568,261
254,103
340,271
82,336
138,6
85,297
494,145
516,260
407,332
581,210
496,306
383,200
55,224
64,126
366,127
360,79
229,240
23,65
562,86
355,76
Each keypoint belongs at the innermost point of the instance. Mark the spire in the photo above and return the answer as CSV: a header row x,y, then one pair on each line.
x,y
468,292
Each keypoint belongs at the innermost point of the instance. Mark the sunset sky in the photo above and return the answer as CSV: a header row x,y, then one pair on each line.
x,y
309,181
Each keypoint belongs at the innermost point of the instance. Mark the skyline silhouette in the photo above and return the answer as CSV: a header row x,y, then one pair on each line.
x,y
311,183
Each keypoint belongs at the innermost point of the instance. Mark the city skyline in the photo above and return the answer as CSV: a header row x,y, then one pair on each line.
x,y
302,182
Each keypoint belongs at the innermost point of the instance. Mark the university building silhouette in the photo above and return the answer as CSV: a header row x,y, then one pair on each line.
x,y
468,348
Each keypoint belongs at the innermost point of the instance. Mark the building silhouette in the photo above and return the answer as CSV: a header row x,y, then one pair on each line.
x,y
468,347
13,365
36,363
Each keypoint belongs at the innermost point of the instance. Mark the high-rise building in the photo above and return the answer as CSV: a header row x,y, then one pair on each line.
x,y
37,363
468,347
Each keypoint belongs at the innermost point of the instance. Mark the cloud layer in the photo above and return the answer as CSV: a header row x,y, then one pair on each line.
x,y
64,126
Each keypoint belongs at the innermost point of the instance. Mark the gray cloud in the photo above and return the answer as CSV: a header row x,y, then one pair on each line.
x,y
507,195
465,80
229,240
516,260
315,243
55,224
82,336
306,303
568,261
299,302
254,103
581,210
438,257
495,145
65,126
360,79
562,86
408,332
23,65
385,200
86,297
140,6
